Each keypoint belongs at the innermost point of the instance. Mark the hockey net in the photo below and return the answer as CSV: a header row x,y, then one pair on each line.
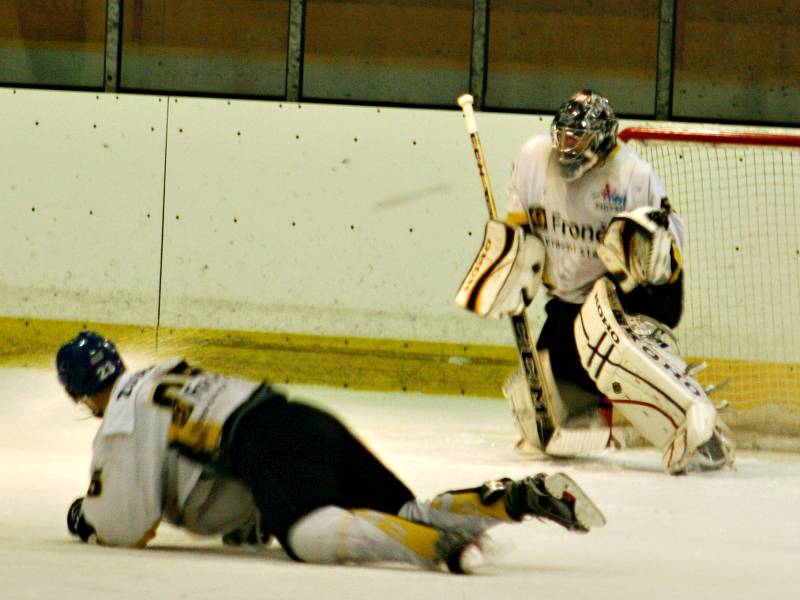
x,y
738,193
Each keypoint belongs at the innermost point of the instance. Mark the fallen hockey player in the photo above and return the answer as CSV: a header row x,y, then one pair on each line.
x,y
226,456
592,220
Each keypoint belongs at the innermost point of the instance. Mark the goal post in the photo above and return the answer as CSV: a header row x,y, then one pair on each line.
x,y
739,193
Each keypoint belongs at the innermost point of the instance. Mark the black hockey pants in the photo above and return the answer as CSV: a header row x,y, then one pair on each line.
x,y
296,458
663,303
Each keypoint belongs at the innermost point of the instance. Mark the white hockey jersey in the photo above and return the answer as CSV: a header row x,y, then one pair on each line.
x,y
137,474
572,217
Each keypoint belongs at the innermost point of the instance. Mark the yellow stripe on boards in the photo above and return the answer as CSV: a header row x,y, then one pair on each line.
x,y
764,396
350,362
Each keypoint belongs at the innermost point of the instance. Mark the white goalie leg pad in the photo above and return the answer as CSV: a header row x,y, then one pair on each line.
x,y
646,382
575,432
506,274
579,429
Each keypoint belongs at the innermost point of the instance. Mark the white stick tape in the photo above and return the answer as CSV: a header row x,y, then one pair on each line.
x,y
465,102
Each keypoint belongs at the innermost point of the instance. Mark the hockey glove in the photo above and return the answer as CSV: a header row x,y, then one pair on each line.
x,y
77,524
506,274
639,249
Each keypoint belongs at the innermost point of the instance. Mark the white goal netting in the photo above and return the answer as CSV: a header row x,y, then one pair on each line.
x,y
739,195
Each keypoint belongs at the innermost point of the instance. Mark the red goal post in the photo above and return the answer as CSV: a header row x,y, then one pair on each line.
x,y
739,193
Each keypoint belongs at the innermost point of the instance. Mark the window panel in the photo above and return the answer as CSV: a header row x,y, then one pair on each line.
x,y
542,52
737,60
398,51
52,42
235,47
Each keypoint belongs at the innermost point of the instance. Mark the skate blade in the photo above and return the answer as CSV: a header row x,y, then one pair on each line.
x,y
586,512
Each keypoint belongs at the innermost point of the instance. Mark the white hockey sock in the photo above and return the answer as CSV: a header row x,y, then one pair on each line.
x,y
334,535
455,511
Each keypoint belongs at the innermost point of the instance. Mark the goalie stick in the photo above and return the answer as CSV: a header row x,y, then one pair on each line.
x,y
528,356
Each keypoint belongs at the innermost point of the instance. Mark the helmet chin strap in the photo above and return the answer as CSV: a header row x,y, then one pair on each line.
x,y
574,169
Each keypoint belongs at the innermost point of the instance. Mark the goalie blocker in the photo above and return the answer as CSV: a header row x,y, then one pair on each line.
x,y
506,273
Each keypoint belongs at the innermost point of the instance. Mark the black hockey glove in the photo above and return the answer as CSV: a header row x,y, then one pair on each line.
x,y
76,523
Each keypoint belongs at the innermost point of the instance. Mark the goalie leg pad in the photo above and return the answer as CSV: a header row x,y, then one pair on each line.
x,y
646,382
580,429
518,393
506,274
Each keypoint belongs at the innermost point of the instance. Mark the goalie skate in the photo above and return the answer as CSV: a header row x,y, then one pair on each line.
x,y
554,498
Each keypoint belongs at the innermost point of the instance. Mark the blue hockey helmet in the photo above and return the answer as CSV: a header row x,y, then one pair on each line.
x,y
584,131
87,364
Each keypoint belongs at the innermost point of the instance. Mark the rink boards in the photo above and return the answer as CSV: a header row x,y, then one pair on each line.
x,y
302,243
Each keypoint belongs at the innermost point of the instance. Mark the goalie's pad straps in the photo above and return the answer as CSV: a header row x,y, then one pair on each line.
x,y
506,273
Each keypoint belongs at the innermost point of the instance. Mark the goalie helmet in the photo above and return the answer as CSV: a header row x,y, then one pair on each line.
x,y
88,364
583,132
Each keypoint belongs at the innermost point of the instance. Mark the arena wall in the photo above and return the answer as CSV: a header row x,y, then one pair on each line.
x,y
296,242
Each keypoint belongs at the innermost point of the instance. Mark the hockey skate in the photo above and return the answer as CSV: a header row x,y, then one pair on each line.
x,y
555,498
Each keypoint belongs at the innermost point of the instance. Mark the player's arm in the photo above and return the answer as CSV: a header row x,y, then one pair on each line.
x,y
124,502
507,271
640,248
517,213
80,527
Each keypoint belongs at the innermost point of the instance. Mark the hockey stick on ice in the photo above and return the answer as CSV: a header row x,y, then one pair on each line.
x,y
528,356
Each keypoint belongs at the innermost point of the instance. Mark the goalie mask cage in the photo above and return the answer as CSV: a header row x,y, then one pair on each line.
x,y
738,193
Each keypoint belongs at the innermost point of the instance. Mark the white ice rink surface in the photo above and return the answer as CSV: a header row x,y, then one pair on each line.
x,y
731,534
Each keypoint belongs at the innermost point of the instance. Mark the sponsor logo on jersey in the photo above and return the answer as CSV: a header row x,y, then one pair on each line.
x,y
610,200
564,228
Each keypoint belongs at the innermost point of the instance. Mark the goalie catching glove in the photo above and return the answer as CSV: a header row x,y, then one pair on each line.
x,y
506,274
639,249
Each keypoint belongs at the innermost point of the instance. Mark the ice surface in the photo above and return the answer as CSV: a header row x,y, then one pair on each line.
x,y
730,534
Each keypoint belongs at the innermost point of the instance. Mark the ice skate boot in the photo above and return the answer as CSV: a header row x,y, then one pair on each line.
x,y
554,497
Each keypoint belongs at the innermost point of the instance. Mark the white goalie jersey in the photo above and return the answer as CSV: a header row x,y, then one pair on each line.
x,y
136,469
571,218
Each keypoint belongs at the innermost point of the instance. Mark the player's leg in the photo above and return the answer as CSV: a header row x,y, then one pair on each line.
x,y
650,385
332,534
563,353
296,458
554,498
581,418
664,303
